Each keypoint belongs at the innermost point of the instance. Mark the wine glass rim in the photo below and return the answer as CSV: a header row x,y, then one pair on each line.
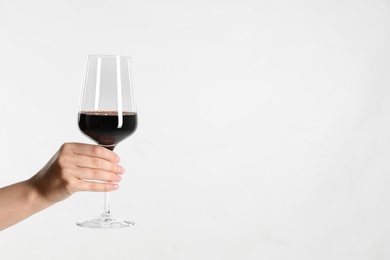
x,y
107,56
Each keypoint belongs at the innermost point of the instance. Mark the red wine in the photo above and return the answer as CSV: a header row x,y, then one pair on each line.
x,y
105,127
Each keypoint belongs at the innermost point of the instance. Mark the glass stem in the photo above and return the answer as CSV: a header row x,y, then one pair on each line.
x,y
106,208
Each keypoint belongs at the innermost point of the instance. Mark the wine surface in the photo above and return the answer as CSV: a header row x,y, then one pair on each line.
x,y
105,127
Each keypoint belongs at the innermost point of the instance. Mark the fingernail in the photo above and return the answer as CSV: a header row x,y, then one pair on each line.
x,y
121,170
118,177
117,159
115,186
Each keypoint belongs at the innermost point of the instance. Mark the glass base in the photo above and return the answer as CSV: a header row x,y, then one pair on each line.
x,y
105,221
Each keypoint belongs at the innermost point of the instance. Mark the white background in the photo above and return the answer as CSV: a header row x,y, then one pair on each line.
x,y
264,129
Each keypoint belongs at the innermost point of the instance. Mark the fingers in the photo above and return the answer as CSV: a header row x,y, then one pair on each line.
x,y
98,175
91,150
96,186
90,167
89,156
86,179
83,161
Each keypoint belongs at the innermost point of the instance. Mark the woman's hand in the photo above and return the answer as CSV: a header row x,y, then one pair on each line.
x,y
77,167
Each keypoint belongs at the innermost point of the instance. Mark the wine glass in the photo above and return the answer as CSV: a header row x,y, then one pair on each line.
x,y
107,115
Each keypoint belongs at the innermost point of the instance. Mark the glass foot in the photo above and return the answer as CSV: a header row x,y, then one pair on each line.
x,y
105,221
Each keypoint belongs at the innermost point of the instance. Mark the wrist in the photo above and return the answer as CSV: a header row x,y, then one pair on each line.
x,y
35,197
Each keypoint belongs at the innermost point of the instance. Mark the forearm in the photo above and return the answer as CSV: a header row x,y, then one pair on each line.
x,y
64,174
19,201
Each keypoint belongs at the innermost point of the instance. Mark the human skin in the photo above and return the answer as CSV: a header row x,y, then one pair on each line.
x,y
74,167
